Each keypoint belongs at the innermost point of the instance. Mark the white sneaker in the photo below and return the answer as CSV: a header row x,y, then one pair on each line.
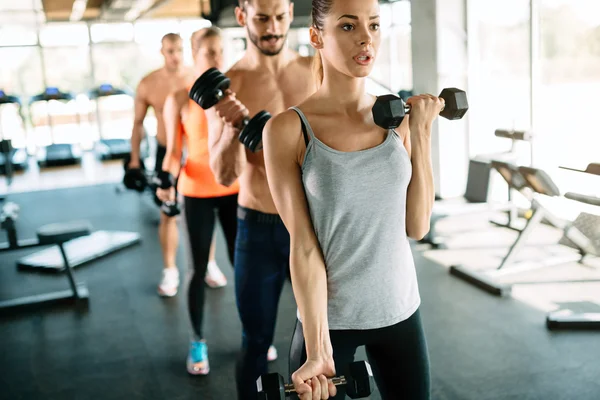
x,y
169,282
272,354
214,278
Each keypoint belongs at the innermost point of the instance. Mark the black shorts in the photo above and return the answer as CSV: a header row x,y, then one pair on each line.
x,y
161,151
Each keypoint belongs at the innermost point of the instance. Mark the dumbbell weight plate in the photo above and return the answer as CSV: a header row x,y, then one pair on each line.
x,y
456,104
251,135
205,89
359,380
272,386
388,111
209,99
201,85
213,82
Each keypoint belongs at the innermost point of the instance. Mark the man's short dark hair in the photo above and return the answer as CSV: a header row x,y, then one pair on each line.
x,y
242,3
171,37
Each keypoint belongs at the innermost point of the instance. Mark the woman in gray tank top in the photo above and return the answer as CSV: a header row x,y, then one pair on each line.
x,y
351,194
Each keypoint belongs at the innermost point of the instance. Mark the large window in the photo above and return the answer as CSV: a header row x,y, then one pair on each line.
x,y
117,64
65,48
567,103
73,34
500,85
393,67
68,68
151,32
116,32
13,34
21,71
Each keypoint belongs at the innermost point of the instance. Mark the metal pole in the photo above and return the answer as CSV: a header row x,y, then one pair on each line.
x,y
43,65
38,44
93,83
468,78
534,56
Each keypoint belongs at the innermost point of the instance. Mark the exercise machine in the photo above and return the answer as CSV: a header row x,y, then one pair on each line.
x,y
80,250
535,184
16,157
56,153
112,146
56,235
511,156
476,199
567,319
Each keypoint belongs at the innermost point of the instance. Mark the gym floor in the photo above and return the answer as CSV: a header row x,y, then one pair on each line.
x,y
132,344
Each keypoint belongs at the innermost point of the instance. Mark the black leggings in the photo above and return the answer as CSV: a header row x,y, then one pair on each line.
x,y
397,355
199,227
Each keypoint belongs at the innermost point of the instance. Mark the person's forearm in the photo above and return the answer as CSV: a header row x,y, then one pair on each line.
x,y
136,140
227,157
309,281
421,191
172,164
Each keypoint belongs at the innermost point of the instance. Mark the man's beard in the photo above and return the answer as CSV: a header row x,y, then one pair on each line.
x,y
256,40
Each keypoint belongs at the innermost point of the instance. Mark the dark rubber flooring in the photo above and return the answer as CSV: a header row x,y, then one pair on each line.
x,y
131,344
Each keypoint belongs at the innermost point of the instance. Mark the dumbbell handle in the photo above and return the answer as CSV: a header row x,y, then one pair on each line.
x,y
289,388
407,108
245,121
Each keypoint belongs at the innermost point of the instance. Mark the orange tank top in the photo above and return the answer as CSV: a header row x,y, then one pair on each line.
x,y
196,179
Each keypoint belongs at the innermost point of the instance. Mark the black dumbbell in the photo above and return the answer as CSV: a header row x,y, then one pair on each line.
x,y
389,110
134,178
210,88
165,180
358,380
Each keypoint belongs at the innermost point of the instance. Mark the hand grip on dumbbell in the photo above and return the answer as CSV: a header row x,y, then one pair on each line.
x,y
210,88
134,178
164,180
389,110
358,380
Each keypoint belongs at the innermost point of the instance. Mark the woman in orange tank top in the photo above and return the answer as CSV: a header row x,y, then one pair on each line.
x,y
186,126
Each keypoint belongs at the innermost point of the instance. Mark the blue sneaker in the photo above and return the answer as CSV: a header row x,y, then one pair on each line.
x,y
197,360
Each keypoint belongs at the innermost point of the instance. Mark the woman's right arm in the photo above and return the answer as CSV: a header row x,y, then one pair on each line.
x,y
309,278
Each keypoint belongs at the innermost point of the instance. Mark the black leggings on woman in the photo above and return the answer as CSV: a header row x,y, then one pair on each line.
x,y
397,355
199,227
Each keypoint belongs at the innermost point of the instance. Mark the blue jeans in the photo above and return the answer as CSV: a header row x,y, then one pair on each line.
x,y
262,251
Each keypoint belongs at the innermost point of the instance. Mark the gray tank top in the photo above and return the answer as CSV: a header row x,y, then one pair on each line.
x,y
357,203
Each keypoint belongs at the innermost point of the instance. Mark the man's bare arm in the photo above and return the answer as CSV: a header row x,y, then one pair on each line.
x,y
172,118
140,110
227,154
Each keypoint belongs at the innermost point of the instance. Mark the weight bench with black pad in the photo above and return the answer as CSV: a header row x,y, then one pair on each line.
x,y
57,234
476,199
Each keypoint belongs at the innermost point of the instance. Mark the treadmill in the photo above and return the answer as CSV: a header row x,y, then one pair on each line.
x,y
113,146
18,157
56,154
